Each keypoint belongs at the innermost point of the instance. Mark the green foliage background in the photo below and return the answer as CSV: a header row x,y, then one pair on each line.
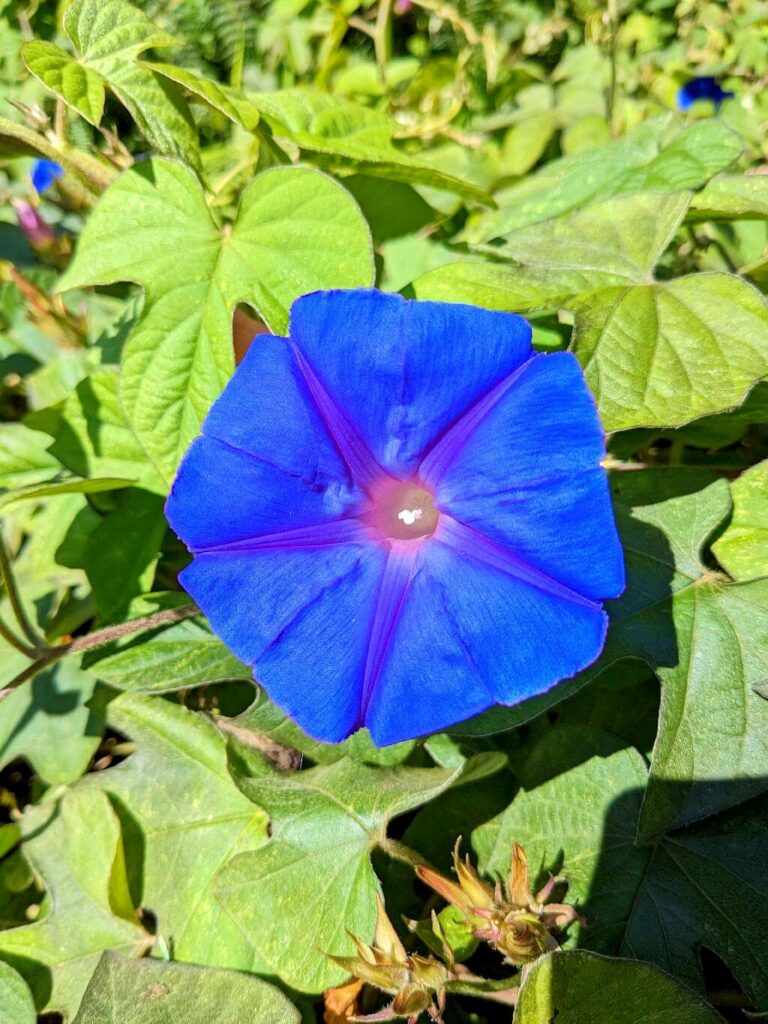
x,y
171,847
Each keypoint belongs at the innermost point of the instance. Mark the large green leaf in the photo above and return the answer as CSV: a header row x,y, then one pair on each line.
x,y
612,243
24,458
349,134
295,897
732,197
75,846
662,354
231,102
706,639
296,231
654,156
654,353
577,987
657,902
93,438
179,656
48,722
109,36
152,992
16,1005
184,820
743,548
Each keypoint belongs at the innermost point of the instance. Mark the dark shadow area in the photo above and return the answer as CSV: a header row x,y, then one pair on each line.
x,y
134,846
693,901
14,246
116,548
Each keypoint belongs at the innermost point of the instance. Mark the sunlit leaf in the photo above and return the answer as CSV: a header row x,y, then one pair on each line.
x,y
296,231
24,459
182,655
657,155
612,243
109,36
314,876
48,722
186,821
732,197
662,354
743,547
345,131
152,992
75,845
16,1005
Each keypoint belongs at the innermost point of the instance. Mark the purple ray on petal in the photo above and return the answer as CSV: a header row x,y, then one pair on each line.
x,y
453,440
403,371
468,542
320,535
363,466
393,591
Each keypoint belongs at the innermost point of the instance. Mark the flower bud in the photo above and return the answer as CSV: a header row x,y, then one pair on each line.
x,y
37,232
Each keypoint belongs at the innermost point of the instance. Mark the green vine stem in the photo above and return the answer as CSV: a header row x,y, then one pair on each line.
x,y
17,605
99,638
94,176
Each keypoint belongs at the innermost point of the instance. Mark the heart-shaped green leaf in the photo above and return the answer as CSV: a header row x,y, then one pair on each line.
x,y
296,231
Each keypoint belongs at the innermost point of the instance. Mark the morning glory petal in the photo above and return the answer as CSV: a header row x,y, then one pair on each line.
x,y
301,618
527,475
470,635
266,503
703,88
404,371
267,411
44,174
265,462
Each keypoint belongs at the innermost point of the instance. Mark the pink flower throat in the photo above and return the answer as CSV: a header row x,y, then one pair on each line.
x,y
402,511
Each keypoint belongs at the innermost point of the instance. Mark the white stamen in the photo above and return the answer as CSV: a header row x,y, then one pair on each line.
x,y
409,516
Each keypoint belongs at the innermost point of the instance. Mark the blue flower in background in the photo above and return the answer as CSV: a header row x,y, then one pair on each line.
x,y
701,89
398,515
44,174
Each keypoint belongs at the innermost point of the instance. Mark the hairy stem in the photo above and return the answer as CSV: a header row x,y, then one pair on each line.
x,y
613,18
93,174
60,122
10,638
399,851
99,638
382,37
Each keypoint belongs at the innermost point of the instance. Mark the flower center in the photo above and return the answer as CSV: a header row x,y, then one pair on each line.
x,y
404,511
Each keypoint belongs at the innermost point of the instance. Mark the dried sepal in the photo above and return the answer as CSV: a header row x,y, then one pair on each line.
x,y
514,921
416,982
518,883
340,1004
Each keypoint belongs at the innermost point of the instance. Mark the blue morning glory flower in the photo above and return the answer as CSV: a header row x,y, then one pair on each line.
x,y
44,174
398,515
705,88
